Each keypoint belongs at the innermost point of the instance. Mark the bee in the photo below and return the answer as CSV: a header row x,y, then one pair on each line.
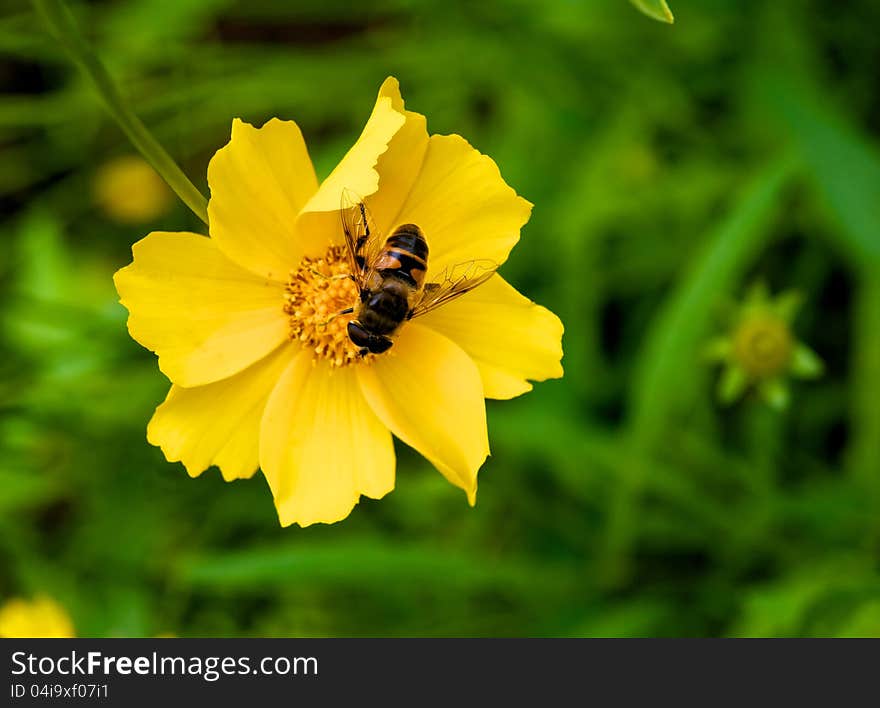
x,y
390,276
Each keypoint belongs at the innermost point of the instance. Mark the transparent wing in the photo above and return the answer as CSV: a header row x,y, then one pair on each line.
x,y
452,283
362,238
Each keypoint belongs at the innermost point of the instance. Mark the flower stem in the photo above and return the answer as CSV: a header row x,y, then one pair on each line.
x,y
62,26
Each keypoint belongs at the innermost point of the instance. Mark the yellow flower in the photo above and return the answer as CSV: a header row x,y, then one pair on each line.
x,y
38,618
129,190
760,350
239,320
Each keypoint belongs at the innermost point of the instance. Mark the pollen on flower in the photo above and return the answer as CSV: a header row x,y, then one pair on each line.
x,y
316,292
763,346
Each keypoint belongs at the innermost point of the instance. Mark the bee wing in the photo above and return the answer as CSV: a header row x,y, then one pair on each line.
x,y
452,283
362,238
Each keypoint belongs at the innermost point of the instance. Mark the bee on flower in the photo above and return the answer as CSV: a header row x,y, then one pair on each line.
x,y
760,351
318,319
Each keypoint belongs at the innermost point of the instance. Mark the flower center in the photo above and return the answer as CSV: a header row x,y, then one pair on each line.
x,y
763,346
316,292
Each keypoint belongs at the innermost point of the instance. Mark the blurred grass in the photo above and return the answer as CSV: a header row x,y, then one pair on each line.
x,y
669,165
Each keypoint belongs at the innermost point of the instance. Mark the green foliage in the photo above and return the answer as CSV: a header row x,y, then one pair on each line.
x,y
668,170
658,9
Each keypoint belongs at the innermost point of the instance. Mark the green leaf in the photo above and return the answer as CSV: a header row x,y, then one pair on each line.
x,y
864,622
787,304
732,384
775,393
805,363
757,295
717,349
365,564
658,9
843,163
789,605
23,490
864,449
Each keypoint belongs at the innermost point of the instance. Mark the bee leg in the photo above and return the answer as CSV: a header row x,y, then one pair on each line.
x,y
346,311
322,276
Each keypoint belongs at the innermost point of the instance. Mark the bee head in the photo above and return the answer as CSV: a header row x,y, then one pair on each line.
x,y
372,343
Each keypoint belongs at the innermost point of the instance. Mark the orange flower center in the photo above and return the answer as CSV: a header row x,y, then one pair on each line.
x,y
763,346
316,292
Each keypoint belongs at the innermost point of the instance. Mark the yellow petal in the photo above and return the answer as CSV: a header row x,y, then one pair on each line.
x,y
321,446
219,424
400,164
39,618
511,339
427,391
259,182
204,316
466,210
356,172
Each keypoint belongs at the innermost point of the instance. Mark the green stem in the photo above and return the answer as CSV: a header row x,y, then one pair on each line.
x,y
63,27
863,458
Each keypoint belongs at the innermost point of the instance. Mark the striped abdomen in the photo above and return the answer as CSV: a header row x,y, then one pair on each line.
x,y
405,256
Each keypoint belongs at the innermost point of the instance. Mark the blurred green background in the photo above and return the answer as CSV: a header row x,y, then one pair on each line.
x,y
670,166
